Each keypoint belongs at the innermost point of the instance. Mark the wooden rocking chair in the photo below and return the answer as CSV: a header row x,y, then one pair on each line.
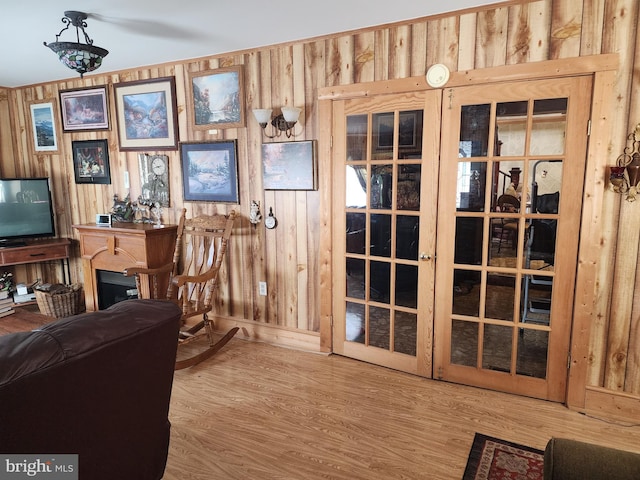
x,y
200,248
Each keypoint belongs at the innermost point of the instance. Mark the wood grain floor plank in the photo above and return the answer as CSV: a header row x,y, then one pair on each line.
x,y
256,411
25,318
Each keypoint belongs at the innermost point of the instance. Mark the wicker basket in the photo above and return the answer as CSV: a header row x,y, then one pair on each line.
x,y
59,301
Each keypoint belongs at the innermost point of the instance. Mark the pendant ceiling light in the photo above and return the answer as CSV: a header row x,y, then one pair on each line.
x,y
81,57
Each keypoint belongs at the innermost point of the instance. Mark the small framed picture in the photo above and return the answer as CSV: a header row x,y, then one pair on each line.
x,y
84,109
216,99
44,127
289,165
210,171
91,161
146,114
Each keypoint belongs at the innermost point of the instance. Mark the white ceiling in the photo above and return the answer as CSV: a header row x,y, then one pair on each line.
x,y
147,32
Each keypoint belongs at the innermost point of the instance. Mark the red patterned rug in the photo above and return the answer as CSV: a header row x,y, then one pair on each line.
x,y
494,459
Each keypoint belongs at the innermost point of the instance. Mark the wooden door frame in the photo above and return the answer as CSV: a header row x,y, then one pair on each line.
x,y
603,68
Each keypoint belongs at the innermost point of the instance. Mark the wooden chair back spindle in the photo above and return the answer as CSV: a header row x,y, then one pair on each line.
x,y
201,245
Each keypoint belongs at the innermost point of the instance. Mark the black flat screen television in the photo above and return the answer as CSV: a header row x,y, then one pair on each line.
x,y
26,210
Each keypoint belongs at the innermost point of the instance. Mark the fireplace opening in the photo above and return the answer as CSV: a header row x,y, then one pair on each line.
x,y
114,287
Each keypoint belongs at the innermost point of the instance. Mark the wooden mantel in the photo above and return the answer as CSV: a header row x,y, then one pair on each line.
x,y
120,246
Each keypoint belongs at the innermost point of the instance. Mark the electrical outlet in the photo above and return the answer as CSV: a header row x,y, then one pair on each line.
x,y
262,288
126,180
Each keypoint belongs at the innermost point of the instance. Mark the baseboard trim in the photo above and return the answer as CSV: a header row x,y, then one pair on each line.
x,y
608,404
271,334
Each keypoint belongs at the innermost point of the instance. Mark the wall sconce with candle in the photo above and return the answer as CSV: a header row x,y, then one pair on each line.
x,y
282,123
625,176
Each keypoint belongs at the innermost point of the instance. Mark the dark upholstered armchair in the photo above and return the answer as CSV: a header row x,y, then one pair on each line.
x,y
97,385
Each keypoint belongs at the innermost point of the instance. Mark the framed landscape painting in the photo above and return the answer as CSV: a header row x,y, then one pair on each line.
x,y
216,99
44,127
289,165
84,109
146,111
210,171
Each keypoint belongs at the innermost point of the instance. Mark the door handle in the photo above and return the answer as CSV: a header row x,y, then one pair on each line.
x,y
425,256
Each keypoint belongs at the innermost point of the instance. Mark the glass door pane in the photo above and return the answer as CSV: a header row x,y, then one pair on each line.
x,y
488,294
393,183
500,272
381,316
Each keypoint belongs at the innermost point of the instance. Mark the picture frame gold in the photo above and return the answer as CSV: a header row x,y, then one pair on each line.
x,y
215,99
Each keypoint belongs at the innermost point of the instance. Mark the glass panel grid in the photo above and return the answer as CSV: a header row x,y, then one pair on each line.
x,y
380,184
508,238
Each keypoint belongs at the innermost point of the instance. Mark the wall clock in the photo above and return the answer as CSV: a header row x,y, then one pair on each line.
x,y
154,178
270,222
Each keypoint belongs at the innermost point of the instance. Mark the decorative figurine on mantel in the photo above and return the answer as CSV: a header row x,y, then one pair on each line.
x,y
148,211
123,210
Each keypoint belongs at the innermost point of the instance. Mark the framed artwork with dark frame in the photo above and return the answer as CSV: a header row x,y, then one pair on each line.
x,y
216,99
289,166
84,109
146,111
210,171
43,127
91,161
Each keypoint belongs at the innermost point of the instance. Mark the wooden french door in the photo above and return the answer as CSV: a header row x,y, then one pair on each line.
x,y
385,184
510,190
488,300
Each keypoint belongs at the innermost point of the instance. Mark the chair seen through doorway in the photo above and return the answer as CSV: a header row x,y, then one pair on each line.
x,y
507,228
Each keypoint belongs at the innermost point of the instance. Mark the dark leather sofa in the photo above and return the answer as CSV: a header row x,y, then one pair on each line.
x,y
566,459
96,384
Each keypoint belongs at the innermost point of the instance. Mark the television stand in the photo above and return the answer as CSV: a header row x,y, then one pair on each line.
x,y
38,251
12,243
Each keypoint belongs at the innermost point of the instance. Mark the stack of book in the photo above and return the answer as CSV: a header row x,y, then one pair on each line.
x,y
6,304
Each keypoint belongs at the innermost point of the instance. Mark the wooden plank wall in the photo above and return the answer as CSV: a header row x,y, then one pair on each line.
x,y
287,258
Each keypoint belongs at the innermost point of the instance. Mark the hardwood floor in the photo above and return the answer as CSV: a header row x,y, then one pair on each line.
x,y
260,412
25,318
256,411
